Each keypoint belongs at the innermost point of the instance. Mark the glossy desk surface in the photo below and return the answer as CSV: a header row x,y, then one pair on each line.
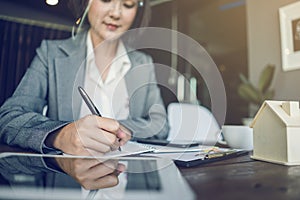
x,y
244,178
239,178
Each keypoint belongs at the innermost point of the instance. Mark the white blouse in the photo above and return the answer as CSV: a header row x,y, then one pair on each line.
x,y
111,96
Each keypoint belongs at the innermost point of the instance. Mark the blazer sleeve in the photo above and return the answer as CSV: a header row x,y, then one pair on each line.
x,y
152,121
21,120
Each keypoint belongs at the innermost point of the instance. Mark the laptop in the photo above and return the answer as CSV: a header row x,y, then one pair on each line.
x,y
23,176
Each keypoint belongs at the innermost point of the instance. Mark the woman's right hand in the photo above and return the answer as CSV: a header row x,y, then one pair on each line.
x,y
90,135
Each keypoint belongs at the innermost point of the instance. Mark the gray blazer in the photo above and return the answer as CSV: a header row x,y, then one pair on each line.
x,y
52,79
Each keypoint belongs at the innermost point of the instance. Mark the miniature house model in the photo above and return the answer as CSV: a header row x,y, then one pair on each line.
x,y
276,132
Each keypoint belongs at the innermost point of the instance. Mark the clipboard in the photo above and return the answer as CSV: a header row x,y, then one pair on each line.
x,y
186,161
176,143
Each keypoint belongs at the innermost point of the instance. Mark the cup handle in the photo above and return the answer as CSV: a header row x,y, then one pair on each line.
x,y
221,139
223,142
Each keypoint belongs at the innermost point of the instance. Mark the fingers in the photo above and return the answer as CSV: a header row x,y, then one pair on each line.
x,y
110,132
120,169
102,175
103,182
92,173
125,130
111,179
97,146
107,138
94,133
114,127
124,135
110,125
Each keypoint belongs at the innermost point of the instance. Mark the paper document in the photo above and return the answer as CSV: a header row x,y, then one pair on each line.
x,y
167,149
130,148
186,156
190,153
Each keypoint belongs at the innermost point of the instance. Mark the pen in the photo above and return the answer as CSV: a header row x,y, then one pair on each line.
x,y
219,154
89,103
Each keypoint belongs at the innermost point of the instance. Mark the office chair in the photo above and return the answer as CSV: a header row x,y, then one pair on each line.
x,y
193,123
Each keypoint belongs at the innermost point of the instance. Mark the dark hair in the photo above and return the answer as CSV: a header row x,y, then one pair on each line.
x,y
142,17
77,7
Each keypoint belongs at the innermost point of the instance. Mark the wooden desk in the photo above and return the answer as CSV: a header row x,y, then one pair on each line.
x,y
237,178
244,178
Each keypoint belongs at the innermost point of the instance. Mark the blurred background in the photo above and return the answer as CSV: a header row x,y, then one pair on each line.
x,y
241,36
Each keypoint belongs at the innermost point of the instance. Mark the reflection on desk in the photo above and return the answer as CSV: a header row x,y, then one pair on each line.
x,y
236,178
20,171
28,176
31,176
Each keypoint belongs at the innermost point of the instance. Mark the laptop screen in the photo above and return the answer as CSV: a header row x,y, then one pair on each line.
x,y
31,176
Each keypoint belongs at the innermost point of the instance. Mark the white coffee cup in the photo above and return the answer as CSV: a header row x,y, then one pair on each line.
x,y
238,136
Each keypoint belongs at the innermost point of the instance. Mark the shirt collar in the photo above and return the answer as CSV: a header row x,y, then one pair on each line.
x,y
120,65
90,49
121,62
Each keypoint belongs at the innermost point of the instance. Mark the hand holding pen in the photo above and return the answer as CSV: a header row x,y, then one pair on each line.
x,y
89,135
95,111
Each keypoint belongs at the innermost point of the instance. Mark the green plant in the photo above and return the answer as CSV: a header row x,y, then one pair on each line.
x,y
257,95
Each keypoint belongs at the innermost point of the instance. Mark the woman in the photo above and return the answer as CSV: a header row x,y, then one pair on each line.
x,y
50,81
88,61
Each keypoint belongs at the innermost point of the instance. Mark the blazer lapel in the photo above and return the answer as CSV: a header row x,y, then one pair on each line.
x,y
70,72
136,85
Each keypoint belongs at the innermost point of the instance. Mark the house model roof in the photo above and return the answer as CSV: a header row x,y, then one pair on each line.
x,y
287,111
